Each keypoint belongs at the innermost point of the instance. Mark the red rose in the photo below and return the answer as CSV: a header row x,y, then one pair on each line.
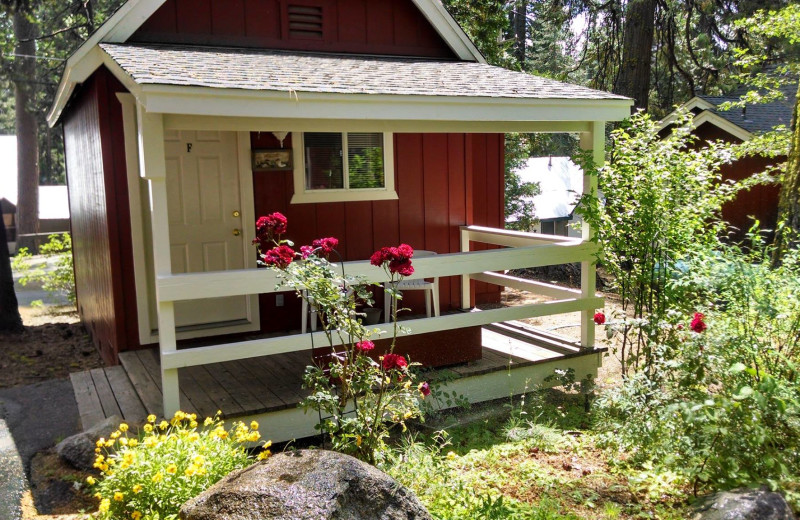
x,y
394,361
365,346
280,256
599,318
404,252
401,267
698,325
272,224
424,389
326,245
305,251
381,256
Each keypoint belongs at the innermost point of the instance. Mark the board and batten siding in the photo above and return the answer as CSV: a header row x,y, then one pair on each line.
x,y
98,195
393,27
443,181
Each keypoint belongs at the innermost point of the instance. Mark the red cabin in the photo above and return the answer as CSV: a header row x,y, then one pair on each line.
x,y
374,121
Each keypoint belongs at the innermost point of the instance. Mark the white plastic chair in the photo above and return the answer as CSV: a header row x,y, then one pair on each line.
x,y
431,290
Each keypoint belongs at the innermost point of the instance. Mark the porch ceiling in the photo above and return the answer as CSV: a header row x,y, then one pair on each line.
x,y
188,80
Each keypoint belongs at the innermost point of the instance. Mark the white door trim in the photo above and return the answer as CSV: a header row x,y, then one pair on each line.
x,y
142,243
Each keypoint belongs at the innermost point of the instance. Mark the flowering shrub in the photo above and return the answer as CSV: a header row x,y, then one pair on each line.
x,y
359,398
151,475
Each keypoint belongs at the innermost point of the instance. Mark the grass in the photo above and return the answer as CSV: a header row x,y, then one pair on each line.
x,y
537,461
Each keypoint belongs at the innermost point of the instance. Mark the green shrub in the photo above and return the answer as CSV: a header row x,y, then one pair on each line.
x,y
151,475
59,281
722,404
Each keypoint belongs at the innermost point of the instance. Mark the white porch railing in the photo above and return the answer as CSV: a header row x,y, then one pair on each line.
x,y
519,250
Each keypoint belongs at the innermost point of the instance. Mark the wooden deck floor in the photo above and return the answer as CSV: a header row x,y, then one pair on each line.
x,y
273,383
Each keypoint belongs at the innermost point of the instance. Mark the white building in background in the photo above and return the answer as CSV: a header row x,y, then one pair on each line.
x,y
53,200
561,184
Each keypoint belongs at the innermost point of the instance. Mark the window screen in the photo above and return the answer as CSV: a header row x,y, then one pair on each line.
x,y
323,158
365,160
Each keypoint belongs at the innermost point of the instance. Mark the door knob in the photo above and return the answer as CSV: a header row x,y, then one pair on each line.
x,y
236,213
236,232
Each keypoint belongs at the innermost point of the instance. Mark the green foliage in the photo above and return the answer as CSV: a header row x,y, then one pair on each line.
x,y
55,274
721,407
149,476
662,200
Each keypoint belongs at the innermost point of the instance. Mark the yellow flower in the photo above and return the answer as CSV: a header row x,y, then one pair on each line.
x,y
193,424
150,442
408,414
358,440
171,469
97,450
254,425
208,422
128,457
451,455
123,441
199,460
90,480
119,497
110,443
116,434
148,428
98,496
158,477
254,436
194,437
263,455
191,470
123,427
133,443
151,418
137,488
136,515
179,415
100,442
104,505
163,425
267,444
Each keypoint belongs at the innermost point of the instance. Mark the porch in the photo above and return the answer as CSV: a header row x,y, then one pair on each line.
x,y
268,388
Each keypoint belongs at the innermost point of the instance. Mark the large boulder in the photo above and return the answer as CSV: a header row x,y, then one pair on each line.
x,y
306,485
744,504
78,450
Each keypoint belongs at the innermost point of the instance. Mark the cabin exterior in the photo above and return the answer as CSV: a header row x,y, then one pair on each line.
x,y
735,126
374,121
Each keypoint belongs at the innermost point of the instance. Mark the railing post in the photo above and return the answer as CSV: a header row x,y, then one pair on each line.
x,y
153,168
466,297
593,140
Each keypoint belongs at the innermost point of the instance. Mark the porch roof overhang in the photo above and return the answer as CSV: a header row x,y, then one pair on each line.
x,y
243,88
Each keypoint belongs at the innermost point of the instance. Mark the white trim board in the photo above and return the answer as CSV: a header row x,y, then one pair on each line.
x,y
128,18
708,115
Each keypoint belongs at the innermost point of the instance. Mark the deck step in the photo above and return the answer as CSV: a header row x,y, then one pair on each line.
x,y
104,392
522,332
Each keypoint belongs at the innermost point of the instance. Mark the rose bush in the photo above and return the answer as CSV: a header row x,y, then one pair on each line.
x,y
359,399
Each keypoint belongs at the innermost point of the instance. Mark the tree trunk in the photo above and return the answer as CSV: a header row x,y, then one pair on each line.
x,y
633,79
26,125
519,24
789,202
10,320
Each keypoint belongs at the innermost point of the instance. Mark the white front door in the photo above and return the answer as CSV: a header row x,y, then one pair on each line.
x,y
205,220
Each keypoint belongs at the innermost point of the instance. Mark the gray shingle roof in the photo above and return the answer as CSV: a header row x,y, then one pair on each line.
x,y
256,69
757,117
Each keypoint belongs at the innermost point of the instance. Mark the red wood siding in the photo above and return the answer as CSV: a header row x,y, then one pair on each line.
x,y
393,27
95,155
433,176
760,202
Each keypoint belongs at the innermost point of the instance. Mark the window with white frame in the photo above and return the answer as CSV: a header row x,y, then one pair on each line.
x,y
343,166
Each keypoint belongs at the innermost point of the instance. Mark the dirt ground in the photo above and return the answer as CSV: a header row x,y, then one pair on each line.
x,y
53,345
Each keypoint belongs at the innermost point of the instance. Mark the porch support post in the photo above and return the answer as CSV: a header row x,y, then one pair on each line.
x,y
153,168
466,299
593,140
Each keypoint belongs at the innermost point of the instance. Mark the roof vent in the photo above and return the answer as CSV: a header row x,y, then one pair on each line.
x,y
305,22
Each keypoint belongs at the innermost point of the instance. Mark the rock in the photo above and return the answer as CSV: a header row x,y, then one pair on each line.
x,y
306,485
744,504
78,450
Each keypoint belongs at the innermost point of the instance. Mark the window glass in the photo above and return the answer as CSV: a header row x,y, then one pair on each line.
x,y
365,160
323,161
